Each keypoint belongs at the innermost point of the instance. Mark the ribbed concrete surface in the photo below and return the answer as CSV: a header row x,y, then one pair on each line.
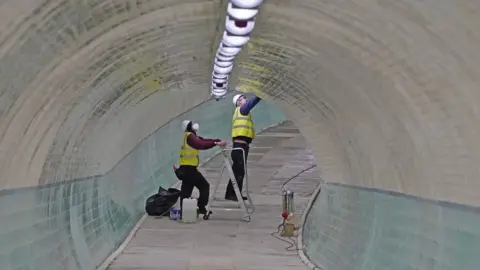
x,y
386,92
224,242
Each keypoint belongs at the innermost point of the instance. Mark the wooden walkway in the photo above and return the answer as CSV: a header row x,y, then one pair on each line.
x,y
225,242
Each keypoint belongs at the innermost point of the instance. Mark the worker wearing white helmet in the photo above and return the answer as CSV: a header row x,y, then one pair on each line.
x,y
243,132
189,161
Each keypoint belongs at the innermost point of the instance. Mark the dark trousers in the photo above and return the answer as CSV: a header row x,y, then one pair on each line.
x,y
191,178
238,168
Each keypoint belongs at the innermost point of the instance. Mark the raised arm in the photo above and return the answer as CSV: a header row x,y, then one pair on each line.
x,y
247,107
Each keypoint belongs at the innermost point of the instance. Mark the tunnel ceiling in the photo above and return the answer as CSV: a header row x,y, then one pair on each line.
x,y
386,92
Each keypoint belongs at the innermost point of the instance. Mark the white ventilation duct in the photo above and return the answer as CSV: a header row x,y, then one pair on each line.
x,y
234,41
237,27
247,3
221,63
219,85
239,23
228,50
219,76
219,92
222,85
243,14
223,57
222,70
219,80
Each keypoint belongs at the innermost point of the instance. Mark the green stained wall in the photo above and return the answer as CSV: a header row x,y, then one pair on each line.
x,y
351,228
77,224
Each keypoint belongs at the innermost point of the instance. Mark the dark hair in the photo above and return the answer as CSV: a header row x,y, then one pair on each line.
x,y
189,128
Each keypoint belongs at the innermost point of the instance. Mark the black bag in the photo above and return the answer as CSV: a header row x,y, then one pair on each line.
x,y
159,204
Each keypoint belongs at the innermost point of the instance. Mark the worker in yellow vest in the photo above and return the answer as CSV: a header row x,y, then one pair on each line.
x,y
243,132
189,161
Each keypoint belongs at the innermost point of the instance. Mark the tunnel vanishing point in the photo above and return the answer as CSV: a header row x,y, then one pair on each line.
x,y
386,93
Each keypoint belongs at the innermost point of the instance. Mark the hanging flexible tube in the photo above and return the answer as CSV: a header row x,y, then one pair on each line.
x,y
239,24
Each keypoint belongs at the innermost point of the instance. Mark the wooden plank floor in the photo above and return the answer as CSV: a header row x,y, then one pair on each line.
x,y
225,242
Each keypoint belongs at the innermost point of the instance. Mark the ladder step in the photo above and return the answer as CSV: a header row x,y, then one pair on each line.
x,y
216,204
214,207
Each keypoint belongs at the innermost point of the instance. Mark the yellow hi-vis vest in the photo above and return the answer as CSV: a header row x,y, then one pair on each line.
x,y
242,125
188,155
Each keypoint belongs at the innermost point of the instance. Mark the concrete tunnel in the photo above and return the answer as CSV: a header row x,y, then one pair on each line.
x,y
386,94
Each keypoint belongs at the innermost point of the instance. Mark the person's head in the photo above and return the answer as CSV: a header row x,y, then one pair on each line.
x,y
189,126
239,100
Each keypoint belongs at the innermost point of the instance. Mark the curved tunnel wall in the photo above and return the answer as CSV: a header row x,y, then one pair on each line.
x,y
362,228
385,92
84,81
77,224
387,95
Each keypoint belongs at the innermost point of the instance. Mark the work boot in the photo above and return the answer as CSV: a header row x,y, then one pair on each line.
x,y
206,213
201,211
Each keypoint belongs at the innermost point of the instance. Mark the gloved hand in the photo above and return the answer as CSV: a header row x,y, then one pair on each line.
x,y
221,143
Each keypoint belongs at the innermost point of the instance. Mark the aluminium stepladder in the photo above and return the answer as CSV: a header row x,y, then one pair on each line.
x,y
227,163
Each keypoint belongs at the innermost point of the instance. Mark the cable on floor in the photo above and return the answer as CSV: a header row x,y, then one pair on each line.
x,y
296,175
292,243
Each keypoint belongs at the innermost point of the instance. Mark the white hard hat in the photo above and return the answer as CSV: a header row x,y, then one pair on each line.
x,y
196,127
185,124
235,98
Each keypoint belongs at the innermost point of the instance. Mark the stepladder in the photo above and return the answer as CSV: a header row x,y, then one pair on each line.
x,y
226,167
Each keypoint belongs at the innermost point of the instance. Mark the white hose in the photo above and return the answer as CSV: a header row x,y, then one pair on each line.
x,y
239,23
